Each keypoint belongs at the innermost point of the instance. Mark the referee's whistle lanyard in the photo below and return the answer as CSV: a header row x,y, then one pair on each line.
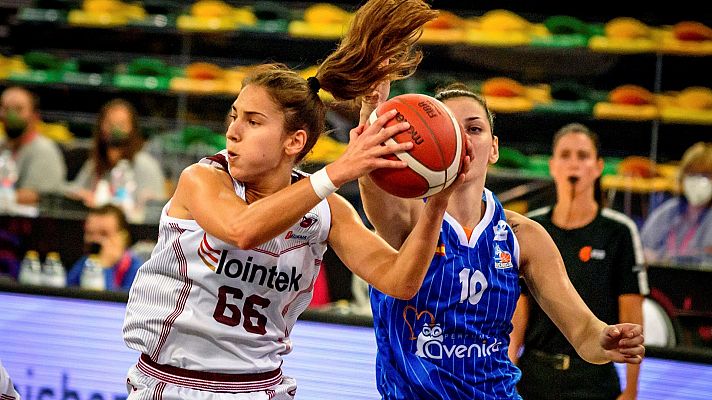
x,y
675,249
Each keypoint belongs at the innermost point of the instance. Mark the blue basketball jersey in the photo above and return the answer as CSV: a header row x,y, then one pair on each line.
x,y
450,341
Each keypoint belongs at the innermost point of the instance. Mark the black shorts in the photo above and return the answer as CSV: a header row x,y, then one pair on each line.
x,y
554,377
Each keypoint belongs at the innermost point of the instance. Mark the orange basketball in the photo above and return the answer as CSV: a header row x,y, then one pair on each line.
x,y
438,147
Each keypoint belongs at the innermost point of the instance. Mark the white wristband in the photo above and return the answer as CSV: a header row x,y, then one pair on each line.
x,y
323,186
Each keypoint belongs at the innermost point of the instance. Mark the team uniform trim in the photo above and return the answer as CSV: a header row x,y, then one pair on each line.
x,y
210,381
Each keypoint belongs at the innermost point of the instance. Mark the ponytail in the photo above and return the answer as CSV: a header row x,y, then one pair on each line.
x,y
381,30
378,46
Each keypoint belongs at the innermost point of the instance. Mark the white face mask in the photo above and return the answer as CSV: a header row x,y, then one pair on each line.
x,y
697,189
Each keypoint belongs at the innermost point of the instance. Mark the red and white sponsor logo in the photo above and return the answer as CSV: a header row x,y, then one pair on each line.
x,y
308,220
292,235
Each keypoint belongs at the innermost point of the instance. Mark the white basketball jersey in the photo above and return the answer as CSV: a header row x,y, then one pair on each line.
x,y
201,304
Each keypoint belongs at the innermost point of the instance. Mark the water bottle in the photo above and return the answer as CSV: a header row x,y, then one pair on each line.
x,y
92,277
30,269
102,193
123,184
8,177
53,273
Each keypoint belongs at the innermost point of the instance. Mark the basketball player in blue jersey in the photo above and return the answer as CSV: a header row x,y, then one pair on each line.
x,y
450,340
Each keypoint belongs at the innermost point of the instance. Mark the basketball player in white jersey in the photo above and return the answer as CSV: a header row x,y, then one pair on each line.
x,y
7,390
450,340
241,241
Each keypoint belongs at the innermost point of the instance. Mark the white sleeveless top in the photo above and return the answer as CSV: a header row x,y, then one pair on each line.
x,y
201,304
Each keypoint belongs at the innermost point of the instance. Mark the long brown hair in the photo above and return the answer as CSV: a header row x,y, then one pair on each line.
x,y
101,146
381,30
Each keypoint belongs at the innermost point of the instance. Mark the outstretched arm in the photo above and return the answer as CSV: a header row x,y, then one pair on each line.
x,y
631,310
219,211
396,273
205,193
543,269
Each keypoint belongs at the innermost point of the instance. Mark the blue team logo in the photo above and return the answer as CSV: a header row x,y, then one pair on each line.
x,y
502,258
500,230
433,343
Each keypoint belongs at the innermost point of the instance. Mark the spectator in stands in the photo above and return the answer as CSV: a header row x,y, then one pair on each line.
x,y
40,163
680,229
106,235
117,137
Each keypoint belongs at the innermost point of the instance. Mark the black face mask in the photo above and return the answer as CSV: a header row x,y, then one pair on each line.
x,y
15,126
117,138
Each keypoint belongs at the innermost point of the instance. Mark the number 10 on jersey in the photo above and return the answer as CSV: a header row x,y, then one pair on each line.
x,y
472,287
